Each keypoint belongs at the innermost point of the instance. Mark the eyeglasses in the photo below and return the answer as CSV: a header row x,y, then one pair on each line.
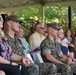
x,y
1,19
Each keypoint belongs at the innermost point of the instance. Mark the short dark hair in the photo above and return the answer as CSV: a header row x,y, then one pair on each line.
x,y
53,25
12,18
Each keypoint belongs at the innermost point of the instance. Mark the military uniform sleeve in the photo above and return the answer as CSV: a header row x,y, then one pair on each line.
x,y
45,48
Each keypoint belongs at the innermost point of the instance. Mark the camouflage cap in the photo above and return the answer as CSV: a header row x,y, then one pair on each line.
x,y
53,25
12,18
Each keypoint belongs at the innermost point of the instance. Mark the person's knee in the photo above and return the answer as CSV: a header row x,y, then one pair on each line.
x,y
47,69
68,69
33,68
73,67
65,69
52,68
2,73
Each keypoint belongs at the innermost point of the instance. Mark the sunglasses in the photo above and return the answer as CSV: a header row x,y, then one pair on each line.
x,y
1,18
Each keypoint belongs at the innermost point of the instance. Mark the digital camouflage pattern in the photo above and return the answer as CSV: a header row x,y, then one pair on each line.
x,y
52,47
16,45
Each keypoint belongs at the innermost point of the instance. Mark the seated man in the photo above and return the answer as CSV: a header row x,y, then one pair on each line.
x,y
37,37
51,52
11,26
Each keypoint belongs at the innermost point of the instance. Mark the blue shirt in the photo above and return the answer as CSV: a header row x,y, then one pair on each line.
x,y
26,45
64,50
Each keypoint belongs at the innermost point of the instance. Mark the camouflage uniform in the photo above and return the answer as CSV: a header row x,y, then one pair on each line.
x,y
41,69
18,49
47,69
52,47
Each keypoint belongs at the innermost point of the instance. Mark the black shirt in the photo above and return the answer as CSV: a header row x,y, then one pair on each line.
x,y
72,49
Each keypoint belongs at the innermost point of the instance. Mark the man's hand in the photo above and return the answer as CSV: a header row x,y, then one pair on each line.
x,y
26,61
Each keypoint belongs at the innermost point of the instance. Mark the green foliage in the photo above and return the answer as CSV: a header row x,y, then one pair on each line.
x,y
57,14
29,13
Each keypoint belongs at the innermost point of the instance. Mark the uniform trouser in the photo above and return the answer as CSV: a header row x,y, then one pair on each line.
x,y
63,69
52,69
13,70
47,69
42,69
33,69
56,69
66,69
73,67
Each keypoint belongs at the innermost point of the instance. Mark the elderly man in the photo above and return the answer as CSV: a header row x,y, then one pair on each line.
x,y
11,26
51,52
37,37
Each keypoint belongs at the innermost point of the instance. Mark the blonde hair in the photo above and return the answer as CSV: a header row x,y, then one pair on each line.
x,y
1,34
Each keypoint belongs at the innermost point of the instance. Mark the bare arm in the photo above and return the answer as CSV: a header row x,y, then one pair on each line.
x,y
4,61
16,57
74,60
21,60
72,56
50,58
64,58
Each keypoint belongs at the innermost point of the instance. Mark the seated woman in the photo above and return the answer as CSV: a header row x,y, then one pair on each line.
x,y
20,35
64,48
69,33
72,49
6,56
27,47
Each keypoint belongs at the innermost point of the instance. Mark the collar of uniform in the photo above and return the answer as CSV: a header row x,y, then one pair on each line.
x,y
10,38
53,41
